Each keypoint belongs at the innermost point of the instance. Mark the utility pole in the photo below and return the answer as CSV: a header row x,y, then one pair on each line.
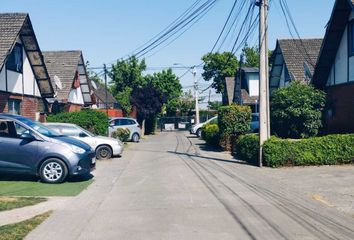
x,y
196,95
105,85
263,81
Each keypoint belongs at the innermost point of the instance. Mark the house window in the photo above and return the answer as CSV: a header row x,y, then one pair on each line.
x,y
14,106
351,38
15,61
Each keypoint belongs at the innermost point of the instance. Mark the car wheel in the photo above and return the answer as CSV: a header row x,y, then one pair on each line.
x,y
199,132
135,137
53,171
103,152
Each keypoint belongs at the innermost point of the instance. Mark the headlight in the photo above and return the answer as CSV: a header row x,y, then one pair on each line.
x,y
74,148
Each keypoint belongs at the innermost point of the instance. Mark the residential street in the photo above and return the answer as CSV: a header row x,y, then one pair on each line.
x,y
170,187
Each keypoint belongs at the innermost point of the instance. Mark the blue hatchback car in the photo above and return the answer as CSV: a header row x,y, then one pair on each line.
x,y
30,147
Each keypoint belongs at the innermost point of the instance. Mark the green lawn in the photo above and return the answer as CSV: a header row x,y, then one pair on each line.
x,y
36,188
19,230
8,203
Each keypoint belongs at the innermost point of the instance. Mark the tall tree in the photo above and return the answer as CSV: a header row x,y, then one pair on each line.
x,y
186,103
127,73
148,101
169,85
218,66
251,56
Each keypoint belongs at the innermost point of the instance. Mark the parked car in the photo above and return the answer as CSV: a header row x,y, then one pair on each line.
x,y
105,147
197,129
31,147
129,123
255,122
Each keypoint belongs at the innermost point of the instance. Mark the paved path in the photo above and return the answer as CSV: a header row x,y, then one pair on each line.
x,y
167,188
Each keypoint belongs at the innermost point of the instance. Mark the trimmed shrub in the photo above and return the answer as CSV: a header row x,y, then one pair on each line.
x,y
247,148
327,150
296,111
210,133
234,119
94,121
121,133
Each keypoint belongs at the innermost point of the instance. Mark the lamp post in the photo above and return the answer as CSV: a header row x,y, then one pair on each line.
x,y
193,70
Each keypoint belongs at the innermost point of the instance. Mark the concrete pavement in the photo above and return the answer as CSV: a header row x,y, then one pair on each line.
x,y
168,188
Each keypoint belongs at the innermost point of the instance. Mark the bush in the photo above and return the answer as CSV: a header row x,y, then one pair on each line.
x,y
327,150
210,133
234,119
247,148
94,121
121,133
296,111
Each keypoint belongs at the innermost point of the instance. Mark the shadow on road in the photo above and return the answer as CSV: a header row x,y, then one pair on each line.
x,y
23,177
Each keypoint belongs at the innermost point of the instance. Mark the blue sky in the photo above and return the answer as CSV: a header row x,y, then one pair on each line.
x,y
106,30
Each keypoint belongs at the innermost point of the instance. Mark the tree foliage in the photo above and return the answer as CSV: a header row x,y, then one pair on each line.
x,y
127,73
218,66
148,100
169,85
296,111
186,103
123,98
251,56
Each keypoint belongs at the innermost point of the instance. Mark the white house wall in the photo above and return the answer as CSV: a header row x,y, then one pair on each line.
x,y
20,83
253,84
75,96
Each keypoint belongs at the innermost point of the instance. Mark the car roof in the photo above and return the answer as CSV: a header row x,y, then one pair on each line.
x,y
12,116
122,118
60,124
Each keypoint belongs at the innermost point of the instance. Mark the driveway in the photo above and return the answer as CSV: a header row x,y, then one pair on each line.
x,y
168,187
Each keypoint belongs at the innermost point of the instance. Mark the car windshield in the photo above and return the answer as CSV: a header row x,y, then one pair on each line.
x,y
40,128
86,131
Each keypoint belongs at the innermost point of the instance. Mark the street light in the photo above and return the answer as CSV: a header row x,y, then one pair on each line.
x,y
193,70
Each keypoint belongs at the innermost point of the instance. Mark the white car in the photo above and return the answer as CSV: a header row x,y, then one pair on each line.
x,y
129,123
104,147
197,129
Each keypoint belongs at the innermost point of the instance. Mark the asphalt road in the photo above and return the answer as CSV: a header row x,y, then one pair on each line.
x,y
169,187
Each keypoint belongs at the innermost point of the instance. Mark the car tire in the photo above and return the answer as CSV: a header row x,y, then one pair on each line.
x,y
103,152
53,170
135,137
199,132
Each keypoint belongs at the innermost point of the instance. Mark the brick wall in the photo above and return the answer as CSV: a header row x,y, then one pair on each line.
x,y
341,98
29,105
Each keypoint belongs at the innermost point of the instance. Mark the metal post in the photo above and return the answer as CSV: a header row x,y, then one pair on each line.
x,y
105,85
196,95
263,82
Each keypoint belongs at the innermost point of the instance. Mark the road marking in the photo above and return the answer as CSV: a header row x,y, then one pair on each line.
x,y
319,198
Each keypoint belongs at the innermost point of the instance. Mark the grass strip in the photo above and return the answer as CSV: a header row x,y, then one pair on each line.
x,y
8,203
18,231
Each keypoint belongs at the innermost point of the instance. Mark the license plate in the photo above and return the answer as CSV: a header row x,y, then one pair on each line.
x,y
93,160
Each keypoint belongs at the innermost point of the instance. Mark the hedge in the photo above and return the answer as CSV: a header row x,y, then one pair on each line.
x,y
234,119
247,148
94,121
210,133
327,150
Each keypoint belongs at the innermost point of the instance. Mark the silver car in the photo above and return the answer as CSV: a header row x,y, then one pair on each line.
x,y
104,147
129,123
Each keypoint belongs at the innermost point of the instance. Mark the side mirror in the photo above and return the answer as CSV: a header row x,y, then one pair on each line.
x,y
82,134
27,136
111,125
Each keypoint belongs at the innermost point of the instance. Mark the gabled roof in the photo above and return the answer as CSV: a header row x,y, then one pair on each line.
x,y
14,25
100,93
297,52
230,88
334,32
64,65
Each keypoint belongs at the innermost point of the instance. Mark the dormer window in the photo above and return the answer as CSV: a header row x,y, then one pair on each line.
x,y
15,60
